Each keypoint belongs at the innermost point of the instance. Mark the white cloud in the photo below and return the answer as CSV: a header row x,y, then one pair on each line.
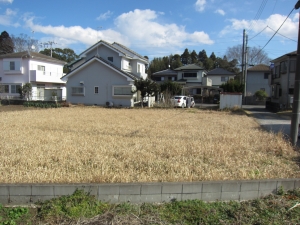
x,y
105,16
7,18
6,1
220,11
10,12
132,24
289,28
200,5
140,28
76,34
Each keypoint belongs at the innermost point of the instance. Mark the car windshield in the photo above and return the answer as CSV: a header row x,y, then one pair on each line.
x,y
177,97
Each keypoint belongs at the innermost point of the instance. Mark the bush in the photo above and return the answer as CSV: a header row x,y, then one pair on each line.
x,y
261,95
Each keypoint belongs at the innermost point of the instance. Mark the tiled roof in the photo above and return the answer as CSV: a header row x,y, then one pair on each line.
x,y
294,53
35,55
259,67
219,71
165,72
190,67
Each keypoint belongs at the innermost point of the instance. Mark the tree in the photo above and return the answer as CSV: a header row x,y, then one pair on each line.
x,y
202,56
24,43
172,87
232,86
213,56
194,57
255,55
176,62
146,87
68,55
208,64
6,43
186,57
25,91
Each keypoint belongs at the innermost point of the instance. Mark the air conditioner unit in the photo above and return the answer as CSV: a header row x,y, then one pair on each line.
x,y
81,82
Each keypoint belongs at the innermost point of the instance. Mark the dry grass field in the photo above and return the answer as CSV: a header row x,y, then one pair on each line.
x,y
93,144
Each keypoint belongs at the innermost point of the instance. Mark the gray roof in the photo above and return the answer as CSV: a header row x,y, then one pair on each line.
x,y
259,67
190,67
133,52
34,55
220,71
167,72
130,75
294,53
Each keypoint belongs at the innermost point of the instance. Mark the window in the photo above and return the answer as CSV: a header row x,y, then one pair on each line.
x,y
4,88
293,66
77,90
224,79
189,74
266,75
162,78
110,59
291,91
277,74
41,68
12,66
96,90
122,90
15,88
138,68
283,67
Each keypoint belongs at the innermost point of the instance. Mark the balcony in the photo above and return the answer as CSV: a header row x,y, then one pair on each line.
x,y
45,76
127,68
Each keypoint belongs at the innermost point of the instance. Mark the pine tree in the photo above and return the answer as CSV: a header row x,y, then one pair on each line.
x,y
6,43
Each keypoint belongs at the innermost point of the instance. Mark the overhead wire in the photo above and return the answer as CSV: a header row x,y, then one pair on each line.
x,y
258,14
283,35
273,35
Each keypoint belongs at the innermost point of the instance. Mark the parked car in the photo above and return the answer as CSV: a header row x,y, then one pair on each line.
x,y
181,101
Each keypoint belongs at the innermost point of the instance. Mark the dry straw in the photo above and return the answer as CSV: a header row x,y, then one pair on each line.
x,y
92,144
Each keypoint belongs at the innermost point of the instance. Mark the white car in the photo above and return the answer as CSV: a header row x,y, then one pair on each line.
x,y
182,101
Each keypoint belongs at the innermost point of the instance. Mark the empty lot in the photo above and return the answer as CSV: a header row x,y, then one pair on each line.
x,y
93,144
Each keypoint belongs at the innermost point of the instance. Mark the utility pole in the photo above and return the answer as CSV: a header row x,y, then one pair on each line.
x,y
243,54
49,43
246,67
296,105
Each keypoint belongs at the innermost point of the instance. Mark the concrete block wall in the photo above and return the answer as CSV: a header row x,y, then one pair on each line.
x,y
19,194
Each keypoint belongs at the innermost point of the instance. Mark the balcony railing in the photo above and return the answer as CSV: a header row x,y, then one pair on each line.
x,y
45,76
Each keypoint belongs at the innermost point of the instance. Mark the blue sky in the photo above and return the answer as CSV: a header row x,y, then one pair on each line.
x,y
155,28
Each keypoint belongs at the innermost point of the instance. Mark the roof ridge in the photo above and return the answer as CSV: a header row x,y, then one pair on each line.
x,y
128,49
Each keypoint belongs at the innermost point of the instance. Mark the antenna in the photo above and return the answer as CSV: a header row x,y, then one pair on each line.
x,y
48,43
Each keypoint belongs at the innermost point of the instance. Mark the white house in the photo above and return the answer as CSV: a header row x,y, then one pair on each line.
x,y
220,76
105,74
258,79
42,71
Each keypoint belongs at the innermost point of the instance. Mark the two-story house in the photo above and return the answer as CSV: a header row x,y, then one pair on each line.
x,y
282,80
105,74
258,79
220,76
43,72
192,77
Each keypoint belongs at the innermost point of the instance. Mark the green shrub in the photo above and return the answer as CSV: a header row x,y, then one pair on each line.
x,y
261,95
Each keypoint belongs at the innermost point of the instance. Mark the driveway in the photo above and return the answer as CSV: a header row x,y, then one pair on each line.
x,y
270,121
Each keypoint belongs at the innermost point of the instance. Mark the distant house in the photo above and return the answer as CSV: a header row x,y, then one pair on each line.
x,y
43,72
258,79
220,76
105,74
192,77
282,79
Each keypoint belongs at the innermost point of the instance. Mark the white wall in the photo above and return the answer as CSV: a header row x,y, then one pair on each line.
x,y
230,100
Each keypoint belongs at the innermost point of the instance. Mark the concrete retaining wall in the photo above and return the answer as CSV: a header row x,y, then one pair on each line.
x,y
17,194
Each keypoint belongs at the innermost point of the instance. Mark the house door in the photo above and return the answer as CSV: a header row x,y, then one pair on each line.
x,y
40,91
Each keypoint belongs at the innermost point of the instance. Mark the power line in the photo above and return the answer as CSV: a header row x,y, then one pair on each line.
x,y
283,35
258,14
258,33
273,35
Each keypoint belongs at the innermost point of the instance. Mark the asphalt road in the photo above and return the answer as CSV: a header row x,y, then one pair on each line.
x,y
270,121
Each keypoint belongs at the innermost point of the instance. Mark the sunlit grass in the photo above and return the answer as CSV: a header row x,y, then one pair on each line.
x,y
92,144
